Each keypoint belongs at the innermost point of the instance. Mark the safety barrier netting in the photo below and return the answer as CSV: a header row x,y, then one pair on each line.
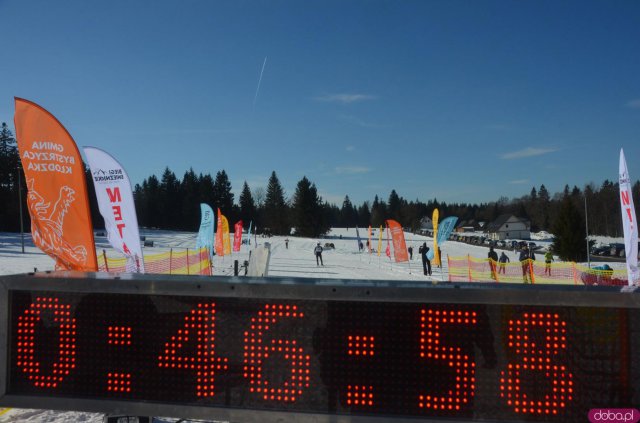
x,y
472,269
189,262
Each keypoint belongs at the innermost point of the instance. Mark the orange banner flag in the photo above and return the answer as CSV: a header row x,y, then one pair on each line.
x,y
219,243
397,237
223,241
57,189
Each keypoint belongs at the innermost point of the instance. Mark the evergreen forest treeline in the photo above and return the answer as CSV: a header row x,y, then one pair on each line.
x,y
170,202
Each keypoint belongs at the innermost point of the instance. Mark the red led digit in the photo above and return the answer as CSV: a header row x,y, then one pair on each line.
x,y
119,336
61,313
537,362
256,351
360,345
360,395
119,382
199,327
431,348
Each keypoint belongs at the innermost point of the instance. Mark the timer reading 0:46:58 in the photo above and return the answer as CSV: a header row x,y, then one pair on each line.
x,y
361,358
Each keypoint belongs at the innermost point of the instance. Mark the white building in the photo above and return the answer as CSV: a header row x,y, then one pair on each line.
x,y
508,226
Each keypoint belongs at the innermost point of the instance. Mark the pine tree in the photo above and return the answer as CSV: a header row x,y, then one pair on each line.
x,y
148,203
378,212
223,197
8,157
364,215
94,210
569,230
275,208
190,193
247,205
544,209
348,213
609,208
140,203
534,210
169,198
9,160
308,211
393,206
207,191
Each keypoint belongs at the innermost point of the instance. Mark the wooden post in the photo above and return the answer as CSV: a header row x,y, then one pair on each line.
x,y
106,263
449,266
469,267
170,260
187,261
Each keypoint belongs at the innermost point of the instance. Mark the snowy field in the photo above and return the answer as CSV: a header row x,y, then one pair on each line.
x,y
342,262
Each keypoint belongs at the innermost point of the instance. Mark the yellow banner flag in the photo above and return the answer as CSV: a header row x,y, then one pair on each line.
x,y
436,251
226,239
380,241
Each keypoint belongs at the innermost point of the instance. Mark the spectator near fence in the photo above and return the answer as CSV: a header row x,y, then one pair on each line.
x,y
548,258
503,263
526,265
493,259
474,269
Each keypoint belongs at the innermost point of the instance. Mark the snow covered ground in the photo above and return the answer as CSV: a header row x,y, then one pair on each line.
x,y
342,262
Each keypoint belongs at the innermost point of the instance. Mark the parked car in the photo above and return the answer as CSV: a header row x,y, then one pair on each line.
x,y
616,249
501,244
534,247
600,251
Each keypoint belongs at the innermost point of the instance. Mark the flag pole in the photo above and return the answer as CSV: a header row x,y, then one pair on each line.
x,y
586,222
20,207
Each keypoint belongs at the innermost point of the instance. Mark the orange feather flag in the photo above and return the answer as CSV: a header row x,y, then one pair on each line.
x,y
57,189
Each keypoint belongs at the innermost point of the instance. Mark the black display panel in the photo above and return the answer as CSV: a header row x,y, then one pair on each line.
x,y
471,361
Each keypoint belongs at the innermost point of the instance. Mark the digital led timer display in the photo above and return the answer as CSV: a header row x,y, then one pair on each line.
x,y
472,361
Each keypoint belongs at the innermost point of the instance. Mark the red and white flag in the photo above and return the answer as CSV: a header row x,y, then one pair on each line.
x,y
629,222
115,200
237,236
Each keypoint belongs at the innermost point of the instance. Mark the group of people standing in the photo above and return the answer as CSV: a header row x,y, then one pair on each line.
x,y
525,257
497,263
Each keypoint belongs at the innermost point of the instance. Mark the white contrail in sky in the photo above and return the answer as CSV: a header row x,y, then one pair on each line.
x,y
259,81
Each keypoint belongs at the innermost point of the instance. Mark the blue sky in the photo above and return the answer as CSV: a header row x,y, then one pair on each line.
x,y
464,101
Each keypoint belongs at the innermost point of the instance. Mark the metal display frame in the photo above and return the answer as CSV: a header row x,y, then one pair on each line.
x,y
277,288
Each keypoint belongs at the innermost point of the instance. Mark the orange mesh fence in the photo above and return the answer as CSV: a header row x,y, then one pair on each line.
x,y
472,269
189,262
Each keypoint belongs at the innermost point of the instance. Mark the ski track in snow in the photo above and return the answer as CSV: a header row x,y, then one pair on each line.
x,y
343,262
